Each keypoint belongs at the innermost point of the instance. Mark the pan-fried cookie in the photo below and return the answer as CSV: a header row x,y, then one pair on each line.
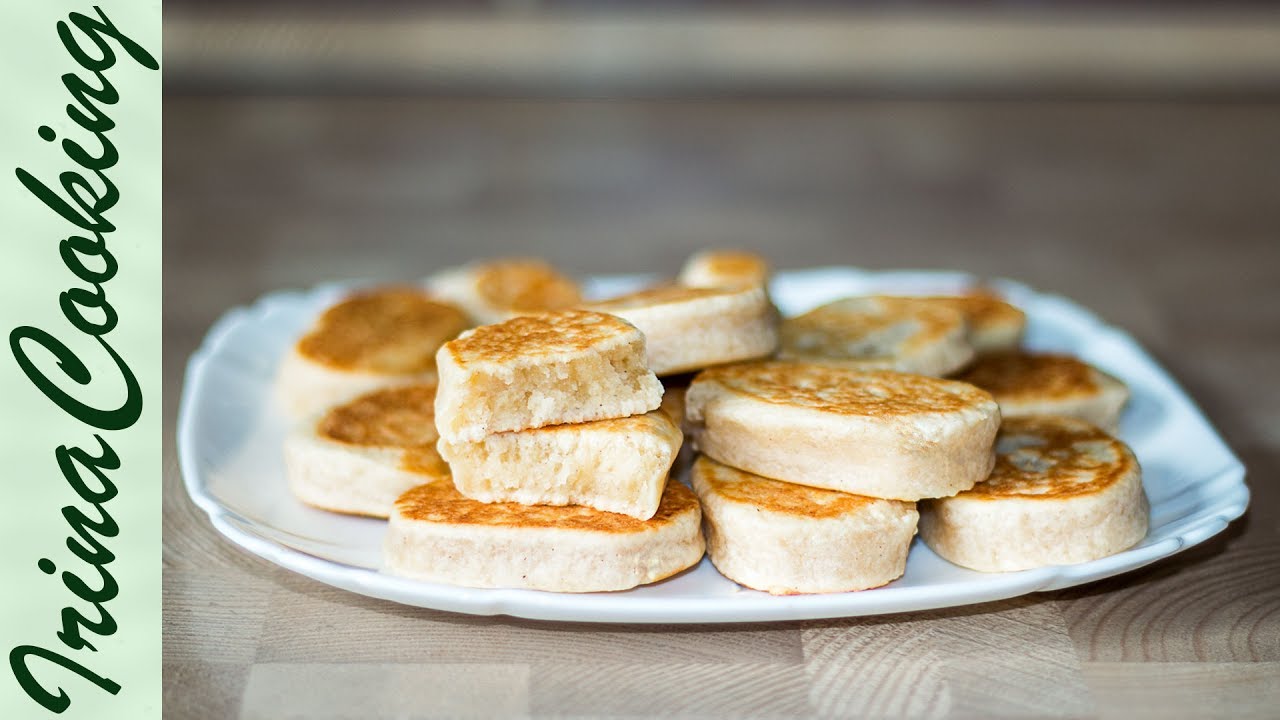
x,y
1030,384
994,324
496,290
371,339
358,457
547,369
724,268
883,434
692,328
619,465
438,535
786,539
880,332
1062,491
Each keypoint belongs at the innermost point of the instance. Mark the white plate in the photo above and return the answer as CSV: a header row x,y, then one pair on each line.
x,y
229,437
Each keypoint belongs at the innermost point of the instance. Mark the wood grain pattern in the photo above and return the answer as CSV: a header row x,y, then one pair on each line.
x,y
351,628
277,691
947,663
1160,217
197,689
1164,690
775,690
1220,609
196,600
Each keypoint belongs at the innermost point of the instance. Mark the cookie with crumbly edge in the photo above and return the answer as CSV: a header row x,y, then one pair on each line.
x,y
531,371
618,465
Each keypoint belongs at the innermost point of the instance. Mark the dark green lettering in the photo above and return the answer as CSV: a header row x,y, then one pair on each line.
x,y
76,245
95,223
95,29
71,301
108,459
54,703
114,419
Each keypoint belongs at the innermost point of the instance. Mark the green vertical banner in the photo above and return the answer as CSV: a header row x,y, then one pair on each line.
x,y
80,368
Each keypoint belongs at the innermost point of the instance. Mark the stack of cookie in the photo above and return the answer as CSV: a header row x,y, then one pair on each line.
x,y
1060,489
811,472
559,459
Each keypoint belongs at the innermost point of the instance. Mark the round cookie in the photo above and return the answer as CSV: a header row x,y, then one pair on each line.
x,y
532,371
883,434
880,332
692,328
1062,491
724,268
436,534
619,465
497,290
371,339
1031,384
994,325
358,457
787,539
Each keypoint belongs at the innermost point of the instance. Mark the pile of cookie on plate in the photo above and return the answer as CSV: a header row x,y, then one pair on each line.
x,y
518,435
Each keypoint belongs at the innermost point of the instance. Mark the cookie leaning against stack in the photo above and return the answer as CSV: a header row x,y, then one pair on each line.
x,y
724,268
371,339
496,290
688,328
1063,491
358,457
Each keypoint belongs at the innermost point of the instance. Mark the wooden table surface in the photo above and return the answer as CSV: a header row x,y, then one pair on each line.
x,y
1162,217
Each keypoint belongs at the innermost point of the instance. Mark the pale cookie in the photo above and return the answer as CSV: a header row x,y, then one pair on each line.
x,y
619,465
692,328
1062,492
358,457
725,268
1030,384
437,535
371,339
787,539
532,371
880,332
496,290
994,325
882,434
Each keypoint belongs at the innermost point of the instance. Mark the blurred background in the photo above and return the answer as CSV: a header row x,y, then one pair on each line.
x,y
1126,154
